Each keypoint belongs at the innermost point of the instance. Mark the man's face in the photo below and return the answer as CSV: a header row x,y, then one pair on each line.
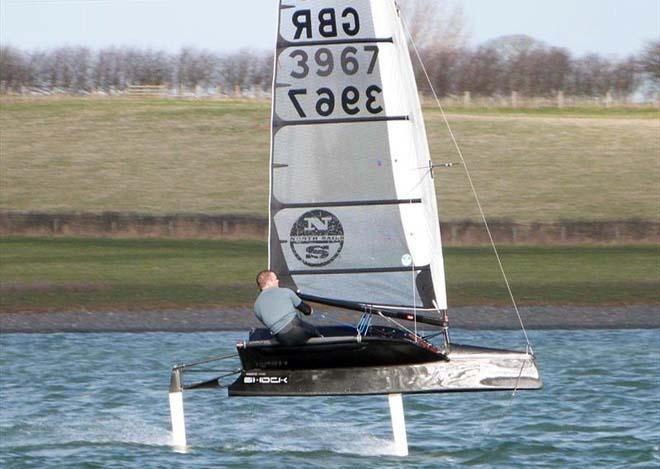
x,y
275,281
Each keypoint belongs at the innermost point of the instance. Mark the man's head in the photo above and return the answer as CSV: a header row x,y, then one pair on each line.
x,y
267,279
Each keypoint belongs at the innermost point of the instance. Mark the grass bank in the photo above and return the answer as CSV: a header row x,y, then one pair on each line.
x,y
187,156
97,274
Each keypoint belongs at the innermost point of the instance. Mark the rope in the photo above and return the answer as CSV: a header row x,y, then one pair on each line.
x,y
211,370
364,323
206,360
509,405
469,177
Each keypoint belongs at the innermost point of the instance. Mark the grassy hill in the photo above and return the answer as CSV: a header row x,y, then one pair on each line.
x,y
97,274
166,156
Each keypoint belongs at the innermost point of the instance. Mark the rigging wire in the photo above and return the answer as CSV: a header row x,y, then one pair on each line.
x,y
394,321
509,405
483,218
207,360
414,300
469,178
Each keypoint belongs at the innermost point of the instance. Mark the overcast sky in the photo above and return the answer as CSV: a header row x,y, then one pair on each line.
x,y
618,27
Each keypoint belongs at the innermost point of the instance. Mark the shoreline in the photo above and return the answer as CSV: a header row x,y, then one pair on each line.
x,y
233,319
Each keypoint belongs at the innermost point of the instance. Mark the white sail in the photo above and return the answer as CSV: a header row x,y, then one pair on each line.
x,y
353,211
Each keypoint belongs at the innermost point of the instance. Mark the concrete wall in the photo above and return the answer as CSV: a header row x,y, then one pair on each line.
x,y
130,225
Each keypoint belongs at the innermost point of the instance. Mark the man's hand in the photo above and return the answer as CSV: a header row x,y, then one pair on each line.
x,y
305,308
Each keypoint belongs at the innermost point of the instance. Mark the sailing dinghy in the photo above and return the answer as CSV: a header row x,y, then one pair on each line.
x,y
354,223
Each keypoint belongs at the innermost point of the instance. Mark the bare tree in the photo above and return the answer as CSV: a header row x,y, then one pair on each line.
x,y
649,61
14,70
109,70
555,70
194,68
437,28
245,68
591,76
480,72
510,63
67,68
147,67
626,77
435,24
519,55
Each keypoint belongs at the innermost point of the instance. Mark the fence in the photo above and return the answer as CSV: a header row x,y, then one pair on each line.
x,y
515,100
262,92
143,91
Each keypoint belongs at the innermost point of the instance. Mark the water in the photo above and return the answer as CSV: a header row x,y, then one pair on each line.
x,y
100,400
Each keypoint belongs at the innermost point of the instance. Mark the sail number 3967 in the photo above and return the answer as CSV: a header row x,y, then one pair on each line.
x,y
350,99
325,61
324,65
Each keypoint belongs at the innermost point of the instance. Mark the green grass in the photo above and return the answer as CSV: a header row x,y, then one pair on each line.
x,y
55,274
185,156
646,112
97,274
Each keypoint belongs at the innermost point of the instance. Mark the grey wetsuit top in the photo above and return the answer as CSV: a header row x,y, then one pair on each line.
x,y
276,307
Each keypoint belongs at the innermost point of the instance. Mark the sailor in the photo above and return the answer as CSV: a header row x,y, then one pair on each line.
x,y
277,308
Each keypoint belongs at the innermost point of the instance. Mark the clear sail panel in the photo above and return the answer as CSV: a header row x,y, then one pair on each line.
x,y
309,164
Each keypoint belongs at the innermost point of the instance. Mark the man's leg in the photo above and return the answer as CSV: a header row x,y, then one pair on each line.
x,y
310,329
299,333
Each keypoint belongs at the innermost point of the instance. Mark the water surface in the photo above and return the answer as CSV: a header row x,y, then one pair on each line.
x,y
100,400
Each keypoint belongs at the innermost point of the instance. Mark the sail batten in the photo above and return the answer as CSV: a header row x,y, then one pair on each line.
x,y
352,212
345,120
350,203
283,44
358,271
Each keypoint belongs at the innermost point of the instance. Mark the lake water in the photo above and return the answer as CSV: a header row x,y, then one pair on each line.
x,y
100,400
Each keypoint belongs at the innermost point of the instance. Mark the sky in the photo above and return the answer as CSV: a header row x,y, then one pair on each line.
x,y
608,27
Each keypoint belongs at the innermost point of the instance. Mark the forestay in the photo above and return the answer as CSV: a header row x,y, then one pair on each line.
x,y
353,211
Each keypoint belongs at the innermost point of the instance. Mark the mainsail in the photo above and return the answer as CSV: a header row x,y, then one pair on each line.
x,y
353,213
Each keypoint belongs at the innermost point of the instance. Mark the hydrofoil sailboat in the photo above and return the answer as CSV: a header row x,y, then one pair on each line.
x,y
354,222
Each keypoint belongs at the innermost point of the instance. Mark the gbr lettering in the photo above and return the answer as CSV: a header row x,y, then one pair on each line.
x,y
326,23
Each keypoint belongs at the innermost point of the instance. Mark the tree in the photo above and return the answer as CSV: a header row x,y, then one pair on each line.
x,y
649,61
591,76
437,28
435,24
194,68
245,68
110,70
13,69
625,77
480,72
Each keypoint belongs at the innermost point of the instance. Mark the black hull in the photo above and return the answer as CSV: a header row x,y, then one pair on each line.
x,y
385,363
338,348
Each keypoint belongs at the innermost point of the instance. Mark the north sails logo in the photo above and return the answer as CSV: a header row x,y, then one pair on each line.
x,y
317,238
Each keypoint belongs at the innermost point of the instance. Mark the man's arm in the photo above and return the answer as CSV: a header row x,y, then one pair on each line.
x,y
299,304
304,308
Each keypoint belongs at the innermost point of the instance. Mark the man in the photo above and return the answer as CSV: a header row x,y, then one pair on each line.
x,y
277,308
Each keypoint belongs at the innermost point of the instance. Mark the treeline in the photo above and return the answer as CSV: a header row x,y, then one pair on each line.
x,y
114,69
529,67
508,64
